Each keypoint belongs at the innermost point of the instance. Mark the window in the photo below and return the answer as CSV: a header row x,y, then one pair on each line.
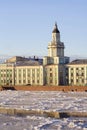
x,y
33,75
28,70
77,80
24,75
55,81
24,81
71,80
1,75
7,82
1,81
37,81
37,70
4,75
71,74
10,81
82,74
82,80
71,68
33,81
4,81
33,70
24,70
19,75
50,69
28,75
15,81
50,74
51,81
38,75
19,81
77,74
10,75
77,68
28,81
19,70
82,68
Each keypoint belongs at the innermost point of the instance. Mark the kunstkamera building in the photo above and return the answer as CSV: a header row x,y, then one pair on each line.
x,y
53,69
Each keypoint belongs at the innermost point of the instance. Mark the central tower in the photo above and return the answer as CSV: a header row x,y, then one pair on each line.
x,y
54,63
56,47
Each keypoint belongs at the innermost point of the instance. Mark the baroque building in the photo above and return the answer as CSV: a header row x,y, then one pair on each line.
x,y
25,71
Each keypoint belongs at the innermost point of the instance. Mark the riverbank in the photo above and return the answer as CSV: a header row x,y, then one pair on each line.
x,y
46,88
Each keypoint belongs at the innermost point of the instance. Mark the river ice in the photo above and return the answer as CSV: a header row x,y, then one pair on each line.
x,y
54,101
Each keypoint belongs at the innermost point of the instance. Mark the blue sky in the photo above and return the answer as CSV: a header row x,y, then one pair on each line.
x,y
26,26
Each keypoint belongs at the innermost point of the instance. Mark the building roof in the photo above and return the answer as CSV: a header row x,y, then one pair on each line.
x,y
15,59
28,63
78,61
55,30
22,61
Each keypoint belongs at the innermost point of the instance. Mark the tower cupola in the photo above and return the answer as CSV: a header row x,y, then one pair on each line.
x,y
56,47
55,34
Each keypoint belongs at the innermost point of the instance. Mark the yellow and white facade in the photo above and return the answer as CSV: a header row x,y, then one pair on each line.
x,y
77,72
23,71
29,75
6,74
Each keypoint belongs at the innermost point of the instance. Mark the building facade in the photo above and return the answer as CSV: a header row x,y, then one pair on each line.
x,y
6,74
77,72
24,71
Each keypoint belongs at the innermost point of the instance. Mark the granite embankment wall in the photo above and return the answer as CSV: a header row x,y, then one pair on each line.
x,y
52,114
52,88
46,88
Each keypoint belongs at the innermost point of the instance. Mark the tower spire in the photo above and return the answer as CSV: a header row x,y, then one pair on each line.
x,y
55,30
55,24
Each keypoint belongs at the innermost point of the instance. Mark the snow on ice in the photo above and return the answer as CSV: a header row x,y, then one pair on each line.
x,y
54,101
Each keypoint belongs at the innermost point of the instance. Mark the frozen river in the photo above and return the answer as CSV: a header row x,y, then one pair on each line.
x,y
51,101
